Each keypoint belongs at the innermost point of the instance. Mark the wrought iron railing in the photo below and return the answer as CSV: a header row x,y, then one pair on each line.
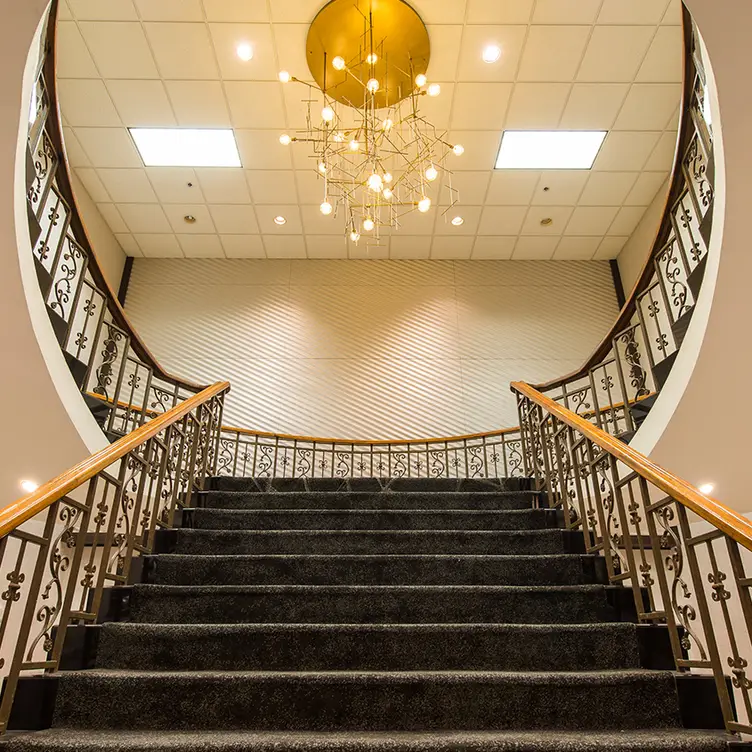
x,y
61,546
686,574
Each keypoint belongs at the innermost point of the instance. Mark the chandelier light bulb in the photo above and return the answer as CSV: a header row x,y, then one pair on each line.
x,y
491,53
458,149
432,173
375,183
354,145
434,90
339,137
388,177
372,58
326,208
284,76
285,140
458,221
354,236
424,204
368,224
372,85
244,51
387,124
327,114
322,168
338,63
387,193
420,79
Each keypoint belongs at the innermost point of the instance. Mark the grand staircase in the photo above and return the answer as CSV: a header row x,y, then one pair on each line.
x,y
372,615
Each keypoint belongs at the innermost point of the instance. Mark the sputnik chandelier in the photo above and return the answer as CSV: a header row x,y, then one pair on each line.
x,y
377,157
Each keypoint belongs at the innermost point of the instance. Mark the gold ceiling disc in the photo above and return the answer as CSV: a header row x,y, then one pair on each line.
x,y
399,39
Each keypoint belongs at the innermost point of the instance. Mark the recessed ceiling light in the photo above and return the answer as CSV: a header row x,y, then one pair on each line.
x,y
457,221
491,53
186,147
244,51
29,486
546,222
279,220
707,488
190,219
549,150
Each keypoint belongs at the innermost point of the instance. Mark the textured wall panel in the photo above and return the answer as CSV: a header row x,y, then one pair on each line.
x,y
374,349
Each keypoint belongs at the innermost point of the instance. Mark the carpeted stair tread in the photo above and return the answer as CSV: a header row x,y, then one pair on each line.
x,y
551,541
358,604
76,740
359,519
367,500
368,700
389,647
377,485
374,569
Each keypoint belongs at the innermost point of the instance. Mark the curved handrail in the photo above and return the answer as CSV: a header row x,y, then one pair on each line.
x,y
733,524
28,506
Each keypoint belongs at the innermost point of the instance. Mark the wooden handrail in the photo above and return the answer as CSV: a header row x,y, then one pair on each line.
x,y
28,506
733,524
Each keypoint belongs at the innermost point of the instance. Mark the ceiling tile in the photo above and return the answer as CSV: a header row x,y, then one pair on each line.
x,y
410,247
438,110
372,252
416,223
593,106
537,214
446,42
261,150
227,37
96,10
183,50
564,187
466,187
170,10
665,58
591,220
144,218
649,107
245,100
481,149
276,186
234,220
315,223
662,157
626,151
508,12
120,50
171,185
294,11
297,102
127,186
224,185
159,245
482,106
673,13
141,103
535,248
93,185
129,245
291,49
471,66
610,248
73,59
512,187
290,212
199,104
232,11
470,215
571,249
632,12
646,188
608,188
87,103
553,53
243,246
502,220
602,64
201,246
440,11
285,246
326,246
108,147
177,213
537,106
444,247
627,220
491,247
566,11
63,11
112,217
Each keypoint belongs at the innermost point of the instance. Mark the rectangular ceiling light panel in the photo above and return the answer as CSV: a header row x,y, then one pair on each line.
x,y
186,147
549,150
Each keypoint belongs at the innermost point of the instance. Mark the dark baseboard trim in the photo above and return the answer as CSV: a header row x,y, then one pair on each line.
x,y
621,298
125,280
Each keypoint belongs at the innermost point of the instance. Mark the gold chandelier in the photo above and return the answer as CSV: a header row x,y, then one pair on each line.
x,y
377,157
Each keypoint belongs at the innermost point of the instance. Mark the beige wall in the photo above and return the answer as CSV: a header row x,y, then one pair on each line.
x,y
371,348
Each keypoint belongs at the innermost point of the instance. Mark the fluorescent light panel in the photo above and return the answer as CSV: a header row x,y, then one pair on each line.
x,y
186,147
549,150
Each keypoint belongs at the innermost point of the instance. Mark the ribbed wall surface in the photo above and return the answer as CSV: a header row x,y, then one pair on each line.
x,y
373,349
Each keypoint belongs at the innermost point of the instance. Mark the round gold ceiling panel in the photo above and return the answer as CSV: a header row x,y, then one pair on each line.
x,y
396,36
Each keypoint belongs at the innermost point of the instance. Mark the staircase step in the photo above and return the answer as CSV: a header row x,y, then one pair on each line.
x,y
389,647
228,604
367,701
551,541
425,569
334,519
662,740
